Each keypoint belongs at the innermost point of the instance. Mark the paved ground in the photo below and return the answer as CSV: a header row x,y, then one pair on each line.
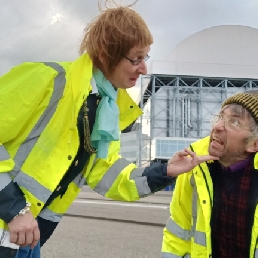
x,y
97,227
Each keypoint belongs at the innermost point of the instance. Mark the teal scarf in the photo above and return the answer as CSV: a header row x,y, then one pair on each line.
x,y
106,127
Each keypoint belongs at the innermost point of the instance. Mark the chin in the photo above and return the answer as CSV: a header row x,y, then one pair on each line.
x,y
131,84
215,153
127,86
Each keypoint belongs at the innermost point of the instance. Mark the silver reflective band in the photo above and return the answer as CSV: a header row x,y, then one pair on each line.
x,y
256,253
26,147
34,187
140,182
176,230
4,155
110,176
23,152
5,180
79,180
137,172
199,237
50,215
169,255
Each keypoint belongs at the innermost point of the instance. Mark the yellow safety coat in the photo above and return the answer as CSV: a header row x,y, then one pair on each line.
x,y
39,105
188,233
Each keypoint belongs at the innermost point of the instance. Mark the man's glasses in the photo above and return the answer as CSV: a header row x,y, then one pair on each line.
x,y
137,61
230,122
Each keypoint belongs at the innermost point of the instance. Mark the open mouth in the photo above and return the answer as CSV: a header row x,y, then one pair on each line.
x,y
217,141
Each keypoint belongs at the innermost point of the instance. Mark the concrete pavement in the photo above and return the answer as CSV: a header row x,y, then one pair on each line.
x,y
95,226
94,206
161,197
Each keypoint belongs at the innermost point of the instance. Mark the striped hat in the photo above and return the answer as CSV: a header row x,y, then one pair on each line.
x,y
248,100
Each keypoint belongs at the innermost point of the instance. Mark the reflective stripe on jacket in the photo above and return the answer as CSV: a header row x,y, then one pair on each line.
x,y
39,105
188,232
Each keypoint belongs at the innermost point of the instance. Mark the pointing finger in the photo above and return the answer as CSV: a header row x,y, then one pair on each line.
x,y
184,152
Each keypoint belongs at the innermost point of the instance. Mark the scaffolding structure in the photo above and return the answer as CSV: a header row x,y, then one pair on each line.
x,y
179,107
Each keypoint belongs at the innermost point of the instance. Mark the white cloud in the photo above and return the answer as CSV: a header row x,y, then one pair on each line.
x,y
56,18
51,30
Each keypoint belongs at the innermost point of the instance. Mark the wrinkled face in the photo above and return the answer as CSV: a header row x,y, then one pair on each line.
x,y
125,73
227,143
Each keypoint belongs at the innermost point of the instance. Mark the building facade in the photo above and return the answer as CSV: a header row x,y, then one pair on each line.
x,y
180,94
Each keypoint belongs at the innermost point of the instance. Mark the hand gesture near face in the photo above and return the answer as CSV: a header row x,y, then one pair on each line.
x,y
184,161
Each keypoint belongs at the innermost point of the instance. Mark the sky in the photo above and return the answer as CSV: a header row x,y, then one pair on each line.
x,y
51,30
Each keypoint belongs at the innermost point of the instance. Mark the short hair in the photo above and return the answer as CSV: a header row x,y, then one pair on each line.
x,y
112,34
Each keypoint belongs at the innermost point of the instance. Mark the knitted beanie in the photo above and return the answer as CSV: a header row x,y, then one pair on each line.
x,y
248,100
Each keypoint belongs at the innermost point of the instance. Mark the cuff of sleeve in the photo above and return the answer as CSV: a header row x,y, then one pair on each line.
x,y
165,169
157,177
11,201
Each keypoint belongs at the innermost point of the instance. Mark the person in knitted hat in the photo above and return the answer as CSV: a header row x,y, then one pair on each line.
x,y
60,127
214,211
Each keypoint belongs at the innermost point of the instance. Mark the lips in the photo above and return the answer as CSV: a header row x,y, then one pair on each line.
x,y
216,147
217,144
217,141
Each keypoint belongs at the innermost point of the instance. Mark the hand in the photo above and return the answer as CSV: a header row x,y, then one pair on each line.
x,y
24,230
181,162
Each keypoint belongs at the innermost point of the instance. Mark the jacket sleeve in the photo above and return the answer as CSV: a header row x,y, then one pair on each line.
x,y
156,176
177,233
19,97
118,179
11,197
11,201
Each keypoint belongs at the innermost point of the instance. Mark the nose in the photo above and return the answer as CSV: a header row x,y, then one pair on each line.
x,y
220,125
142,68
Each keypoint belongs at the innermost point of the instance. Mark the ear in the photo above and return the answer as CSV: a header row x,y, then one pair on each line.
x,y
101,58
102,64
252,146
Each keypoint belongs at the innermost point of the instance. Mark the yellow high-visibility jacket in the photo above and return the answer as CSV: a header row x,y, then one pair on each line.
x,y
39,105
188,233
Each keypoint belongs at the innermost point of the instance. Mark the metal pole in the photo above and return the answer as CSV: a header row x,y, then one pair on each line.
x,y
140,128
152,113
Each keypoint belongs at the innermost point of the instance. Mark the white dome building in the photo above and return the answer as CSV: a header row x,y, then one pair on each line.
x,y
180,93
220,51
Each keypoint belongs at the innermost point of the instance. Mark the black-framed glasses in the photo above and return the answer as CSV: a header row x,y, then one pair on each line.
x,y
137,61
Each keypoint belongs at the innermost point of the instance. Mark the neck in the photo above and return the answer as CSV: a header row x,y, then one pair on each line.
x,y
229,162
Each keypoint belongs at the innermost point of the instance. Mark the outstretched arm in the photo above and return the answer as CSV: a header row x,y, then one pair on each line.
x,y
184,161
117,178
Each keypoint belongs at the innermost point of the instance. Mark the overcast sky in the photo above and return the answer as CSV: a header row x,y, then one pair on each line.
x,y
51,30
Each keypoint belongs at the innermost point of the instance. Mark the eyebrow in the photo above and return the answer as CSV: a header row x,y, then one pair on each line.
x,y
138,52
136,55
223,113
241,118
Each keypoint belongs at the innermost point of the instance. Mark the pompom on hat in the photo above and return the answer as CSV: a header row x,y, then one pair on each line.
x,y
247,99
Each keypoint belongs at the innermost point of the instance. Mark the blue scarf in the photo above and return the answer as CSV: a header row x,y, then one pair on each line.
x,y
106,127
